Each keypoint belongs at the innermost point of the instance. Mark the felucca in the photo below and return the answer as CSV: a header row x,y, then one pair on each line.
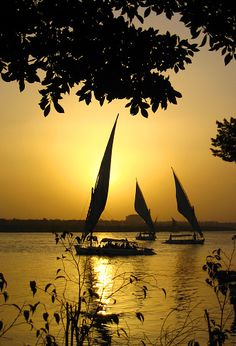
x,y
89,245
187,210
141,208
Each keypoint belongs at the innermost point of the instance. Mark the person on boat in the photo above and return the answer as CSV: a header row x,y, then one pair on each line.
x,y
194,236
170,238
78,239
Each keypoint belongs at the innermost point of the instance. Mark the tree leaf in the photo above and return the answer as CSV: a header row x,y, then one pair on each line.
x,y
140,316
60,277
46,110
164,291
203,41
147,12
57,317
140,18
6,296
58,107
228,58
45,316
115,318
176,69
26,315
33,287
21,84
47,287
155,107
33,307
144,113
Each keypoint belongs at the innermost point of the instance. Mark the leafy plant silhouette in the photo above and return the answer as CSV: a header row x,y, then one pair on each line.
x,y
79,311
220,279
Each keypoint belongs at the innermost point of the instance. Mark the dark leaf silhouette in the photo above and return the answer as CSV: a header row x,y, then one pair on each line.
x,y
115,318
97,47
140,316
58,108
26,315
33,287
45,316
3,282
164,291
6,296
224,144
57,317
203,41
46,110
47,287
228,58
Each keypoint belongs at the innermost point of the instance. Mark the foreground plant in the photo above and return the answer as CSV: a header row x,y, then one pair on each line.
x,y
76,313
184,332
20,314
221,278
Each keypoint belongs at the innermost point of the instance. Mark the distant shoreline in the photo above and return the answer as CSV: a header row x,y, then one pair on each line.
x,y
76,226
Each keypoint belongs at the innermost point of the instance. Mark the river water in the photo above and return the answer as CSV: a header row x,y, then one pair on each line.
x,y
176,294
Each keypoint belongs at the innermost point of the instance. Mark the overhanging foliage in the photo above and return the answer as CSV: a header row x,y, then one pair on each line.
x,y
95,47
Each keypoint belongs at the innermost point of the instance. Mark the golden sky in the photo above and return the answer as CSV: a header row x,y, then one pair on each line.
x,y
48,165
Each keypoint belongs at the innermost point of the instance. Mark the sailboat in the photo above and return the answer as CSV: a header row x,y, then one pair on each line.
x,y
174,224
88,244
141,208
187,210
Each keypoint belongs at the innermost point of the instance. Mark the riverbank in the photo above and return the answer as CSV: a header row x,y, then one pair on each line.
x,y
56,225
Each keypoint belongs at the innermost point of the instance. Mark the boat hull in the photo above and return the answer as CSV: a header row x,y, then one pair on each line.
x,y
145,236
185,241
110,252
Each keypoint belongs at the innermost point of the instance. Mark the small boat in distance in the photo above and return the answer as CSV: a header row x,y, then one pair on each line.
x,y
88,244
141,208
187,210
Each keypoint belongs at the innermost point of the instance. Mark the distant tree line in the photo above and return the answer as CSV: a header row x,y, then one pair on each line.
x,y
57,225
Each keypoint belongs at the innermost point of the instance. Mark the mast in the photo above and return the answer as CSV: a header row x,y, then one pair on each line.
x,y
184,206
100,191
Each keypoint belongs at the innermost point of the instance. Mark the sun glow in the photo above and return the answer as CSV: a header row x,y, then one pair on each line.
x,y
49,165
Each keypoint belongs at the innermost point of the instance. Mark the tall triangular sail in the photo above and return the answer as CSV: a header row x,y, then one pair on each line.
x,y
100,192
184,206
141,208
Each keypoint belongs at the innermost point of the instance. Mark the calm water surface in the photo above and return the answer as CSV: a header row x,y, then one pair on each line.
x,y
176,269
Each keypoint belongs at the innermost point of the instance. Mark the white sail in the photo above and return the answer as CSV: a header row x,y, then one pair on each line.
x,y
142,209
100,191
184,206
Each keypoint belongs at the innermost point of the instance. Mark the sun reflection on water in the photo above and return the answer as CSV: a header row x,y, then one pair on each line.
x,y
104,280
